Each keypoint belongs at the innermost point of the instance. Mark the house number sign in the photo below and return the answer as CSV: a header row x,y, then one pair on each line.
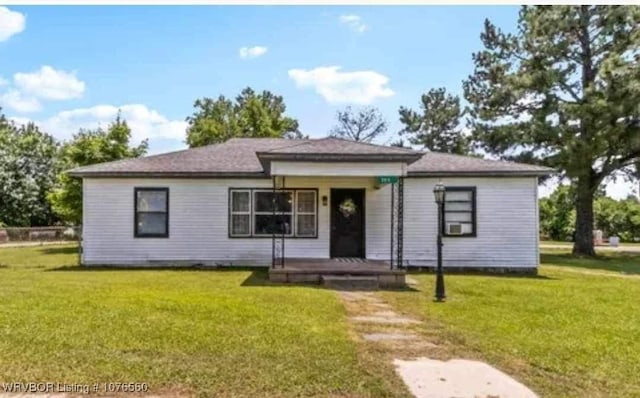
x,y
386,179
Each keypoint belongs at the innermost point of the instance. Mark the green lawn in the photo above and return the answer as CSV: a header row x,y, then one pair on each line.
x,y
618,262
186,331
572,331
570,244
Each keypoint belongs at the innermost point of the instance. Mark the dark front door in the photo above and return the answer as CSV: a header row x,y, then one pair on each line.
x,y
347,223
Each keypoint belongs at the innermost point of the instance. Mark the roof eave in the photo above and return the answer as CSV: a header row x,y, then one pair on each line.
x,y
173,174
476,173
332,157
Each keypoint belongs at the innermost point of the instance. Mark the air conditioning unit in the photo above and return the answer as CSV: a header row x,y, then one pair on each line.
x,y
454,228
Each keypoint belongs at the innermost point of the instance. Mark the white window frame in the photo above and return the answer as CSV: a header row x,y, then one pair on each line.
x,y
313,213
252,212
240,213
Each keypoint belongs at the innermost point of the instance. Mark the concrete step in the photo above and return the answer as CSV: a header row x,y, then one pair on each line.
x,y
360,282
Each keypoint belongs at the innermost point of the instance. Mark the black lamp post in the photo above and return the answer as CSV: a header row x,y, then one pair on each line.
x,y
438,192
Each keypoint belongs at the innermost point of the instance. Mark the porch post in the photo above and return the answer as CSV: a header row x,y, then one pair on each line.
x,y
393,210
396,235
284,226
400,222
277,239
273,224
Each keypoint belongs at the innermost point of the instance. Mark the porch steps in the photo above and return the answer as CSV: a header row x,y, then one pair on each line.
x,y
347,282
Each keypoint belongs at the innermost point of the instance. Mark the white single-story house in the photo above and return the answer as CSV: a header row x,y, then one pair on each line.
x,y
266,201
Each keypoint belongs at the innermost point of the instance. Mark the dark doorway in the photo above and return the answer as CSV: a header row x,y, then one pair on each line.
x,y
347,223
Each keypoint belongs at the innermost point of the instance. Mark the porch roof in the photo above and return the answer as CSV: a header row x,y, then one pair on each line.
x,y
250,157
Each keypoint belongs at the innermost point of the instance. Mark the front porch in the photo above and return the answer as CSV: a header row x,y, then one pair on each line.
x,y
317,270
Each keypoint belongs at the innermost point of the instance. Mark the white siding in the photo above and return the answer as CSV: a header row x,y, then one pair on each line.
x,y
338,169
507,224
198,222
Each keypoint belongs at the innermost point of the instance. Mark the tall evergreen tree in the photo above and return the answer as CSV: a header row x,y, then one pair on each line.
x,y
437,126
564,91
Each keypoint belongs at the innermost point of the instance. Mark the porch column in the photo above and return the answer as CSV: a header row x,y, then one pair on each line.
x,y
277,238
397,225
393,226
400,226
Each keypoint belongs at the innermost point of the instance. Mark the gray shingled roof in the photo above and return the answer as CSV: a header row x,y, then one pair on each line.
x,y
339,146
236,156
241,157
434,163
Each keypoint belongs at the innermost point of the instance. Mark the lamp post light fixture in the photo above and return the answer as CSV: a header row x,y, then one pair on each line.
x,y
438,192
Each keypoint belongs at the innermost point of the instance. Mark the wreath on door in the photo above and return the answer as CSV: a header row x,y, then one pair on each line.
x,y
348,207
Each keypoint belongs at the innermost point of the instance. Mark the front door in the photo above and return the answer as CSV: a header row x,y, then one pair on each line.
x,y
347,223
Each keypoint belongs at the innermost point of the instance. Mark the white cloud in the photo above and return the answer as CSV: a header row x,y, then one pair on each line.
x,y
252,52
354,22
359,87
24,93
14,99
51,84
144,122
11,23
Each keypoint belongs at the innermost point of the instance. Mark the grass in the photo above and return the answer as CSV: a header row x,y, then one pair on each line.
x,y
223,333
571,331
570,244
620,262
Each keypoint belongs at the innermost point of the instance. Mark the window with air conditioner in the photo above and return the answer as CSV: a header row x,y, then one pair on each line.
x,y
459,211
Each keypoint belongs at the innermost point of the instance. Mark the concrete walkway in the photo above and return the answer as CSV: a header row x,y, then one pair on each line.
x,y
429,378
376,322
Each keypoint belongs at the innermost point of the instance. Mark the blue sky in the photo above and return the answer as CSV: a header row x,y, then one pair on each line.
x,y
72,66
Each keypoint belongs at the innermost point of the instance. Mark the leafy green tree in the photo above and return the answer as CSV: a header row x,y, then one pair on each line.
x,y
28,166
618,217
563,91
632,212
364,124
557,214
90,147
250,115
636,174
438,124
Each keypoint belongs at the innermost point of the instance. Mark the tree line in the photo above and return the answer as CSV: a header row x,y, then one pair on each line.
x,y
560,89
613,217
34,188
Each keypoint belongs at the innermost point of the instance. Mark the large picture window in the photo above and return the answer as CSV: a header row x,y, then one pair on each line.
x,y
263,213
251,213
151,212
459,211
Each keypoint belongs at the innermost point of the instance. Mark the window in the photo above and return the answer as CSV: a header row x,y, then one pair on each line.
x,y
241,213
306,213
151,212
251,213
263,202
460,211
